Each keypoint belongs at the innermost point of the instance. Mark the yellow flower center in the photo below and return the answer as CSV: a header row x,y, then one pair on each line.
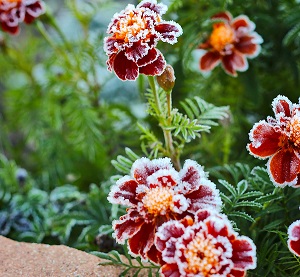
x,y
294,129
221,36
159,200
130,26
202,256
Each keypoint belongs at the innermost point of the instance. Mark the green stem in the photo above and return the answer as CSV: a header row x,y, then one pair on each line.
x,y
170,149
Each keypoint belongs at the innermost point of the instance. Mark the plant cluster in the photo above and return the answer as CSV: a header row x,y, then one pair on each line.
x,y
173,97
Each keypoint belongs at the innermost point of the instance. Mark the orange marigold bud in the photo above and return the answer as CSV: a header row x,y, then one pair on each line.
x,y
167,79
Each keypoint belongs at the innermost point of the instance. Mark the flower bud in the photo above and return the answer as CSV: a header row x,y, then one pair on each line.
x,y
167,79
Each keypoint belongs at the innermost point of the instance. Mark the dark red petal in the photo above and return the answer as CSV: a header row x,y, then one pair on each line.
x,y
125,69
33,11
223,16
246,46
202,214
170,270
240,22
284,167
143,168
209,60
265,140
149,58
202,198
168,31
158,8
126,192
128,225
155,256
14,30
192,176
294,245
236,273
282,104
143,240
137,51
233,62
155,68
109,45
243,254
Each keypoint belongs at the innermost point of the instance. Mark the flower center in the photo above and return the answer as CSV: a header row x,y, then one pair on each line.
x,y
130,25
159,200
221,36
202,256
294,129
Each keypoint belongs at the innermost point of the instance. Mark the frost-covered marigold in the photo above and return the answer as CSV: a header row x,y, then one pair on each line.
x,y
231,42
294,238
155,193
207,246
13,12
135,32
278,139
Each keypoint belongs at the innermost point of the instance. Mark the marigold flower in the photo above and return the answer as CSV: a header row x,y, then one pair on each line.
x,y
294,238
207,246
279,140
156,193
231,42
135,33
13,12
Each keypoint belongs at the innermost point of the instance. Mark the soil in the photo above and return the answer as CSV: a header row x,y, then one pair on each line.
x,y
20,259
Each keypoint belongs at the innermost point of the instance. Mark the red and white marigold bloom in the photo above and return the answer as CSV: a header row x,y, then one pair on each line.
x,y
231,42
294,238
14,12
207,246
156,193
135,32
278,139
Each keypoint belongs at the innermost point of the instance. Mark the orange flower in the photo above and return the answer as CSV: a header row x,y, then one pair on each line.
x,y
13,12
157,193
135,32
278,139
231,42
207,246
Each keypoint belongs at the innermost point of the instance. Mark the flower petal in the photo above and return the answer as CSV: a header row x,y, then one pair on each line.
x,y
265,140
237,273
149,58
155,68
233,62
209,60
127,226
294,238
125,69
246,46
142,241
170,270
110,45
191,175
169,31
223,16
205,197
243,254
284,167
243,21
143,168
154,255
282,105
33,11
14,30
137,51
152,5
124,192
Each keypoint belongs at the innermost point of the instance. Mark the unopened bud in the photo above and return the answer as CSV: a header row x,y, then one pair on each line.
x,y
167,79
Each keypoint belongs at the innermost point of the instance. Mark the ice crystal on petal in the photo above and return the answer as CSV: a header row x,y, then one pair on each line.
x,y
156,193
135,32
278,139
